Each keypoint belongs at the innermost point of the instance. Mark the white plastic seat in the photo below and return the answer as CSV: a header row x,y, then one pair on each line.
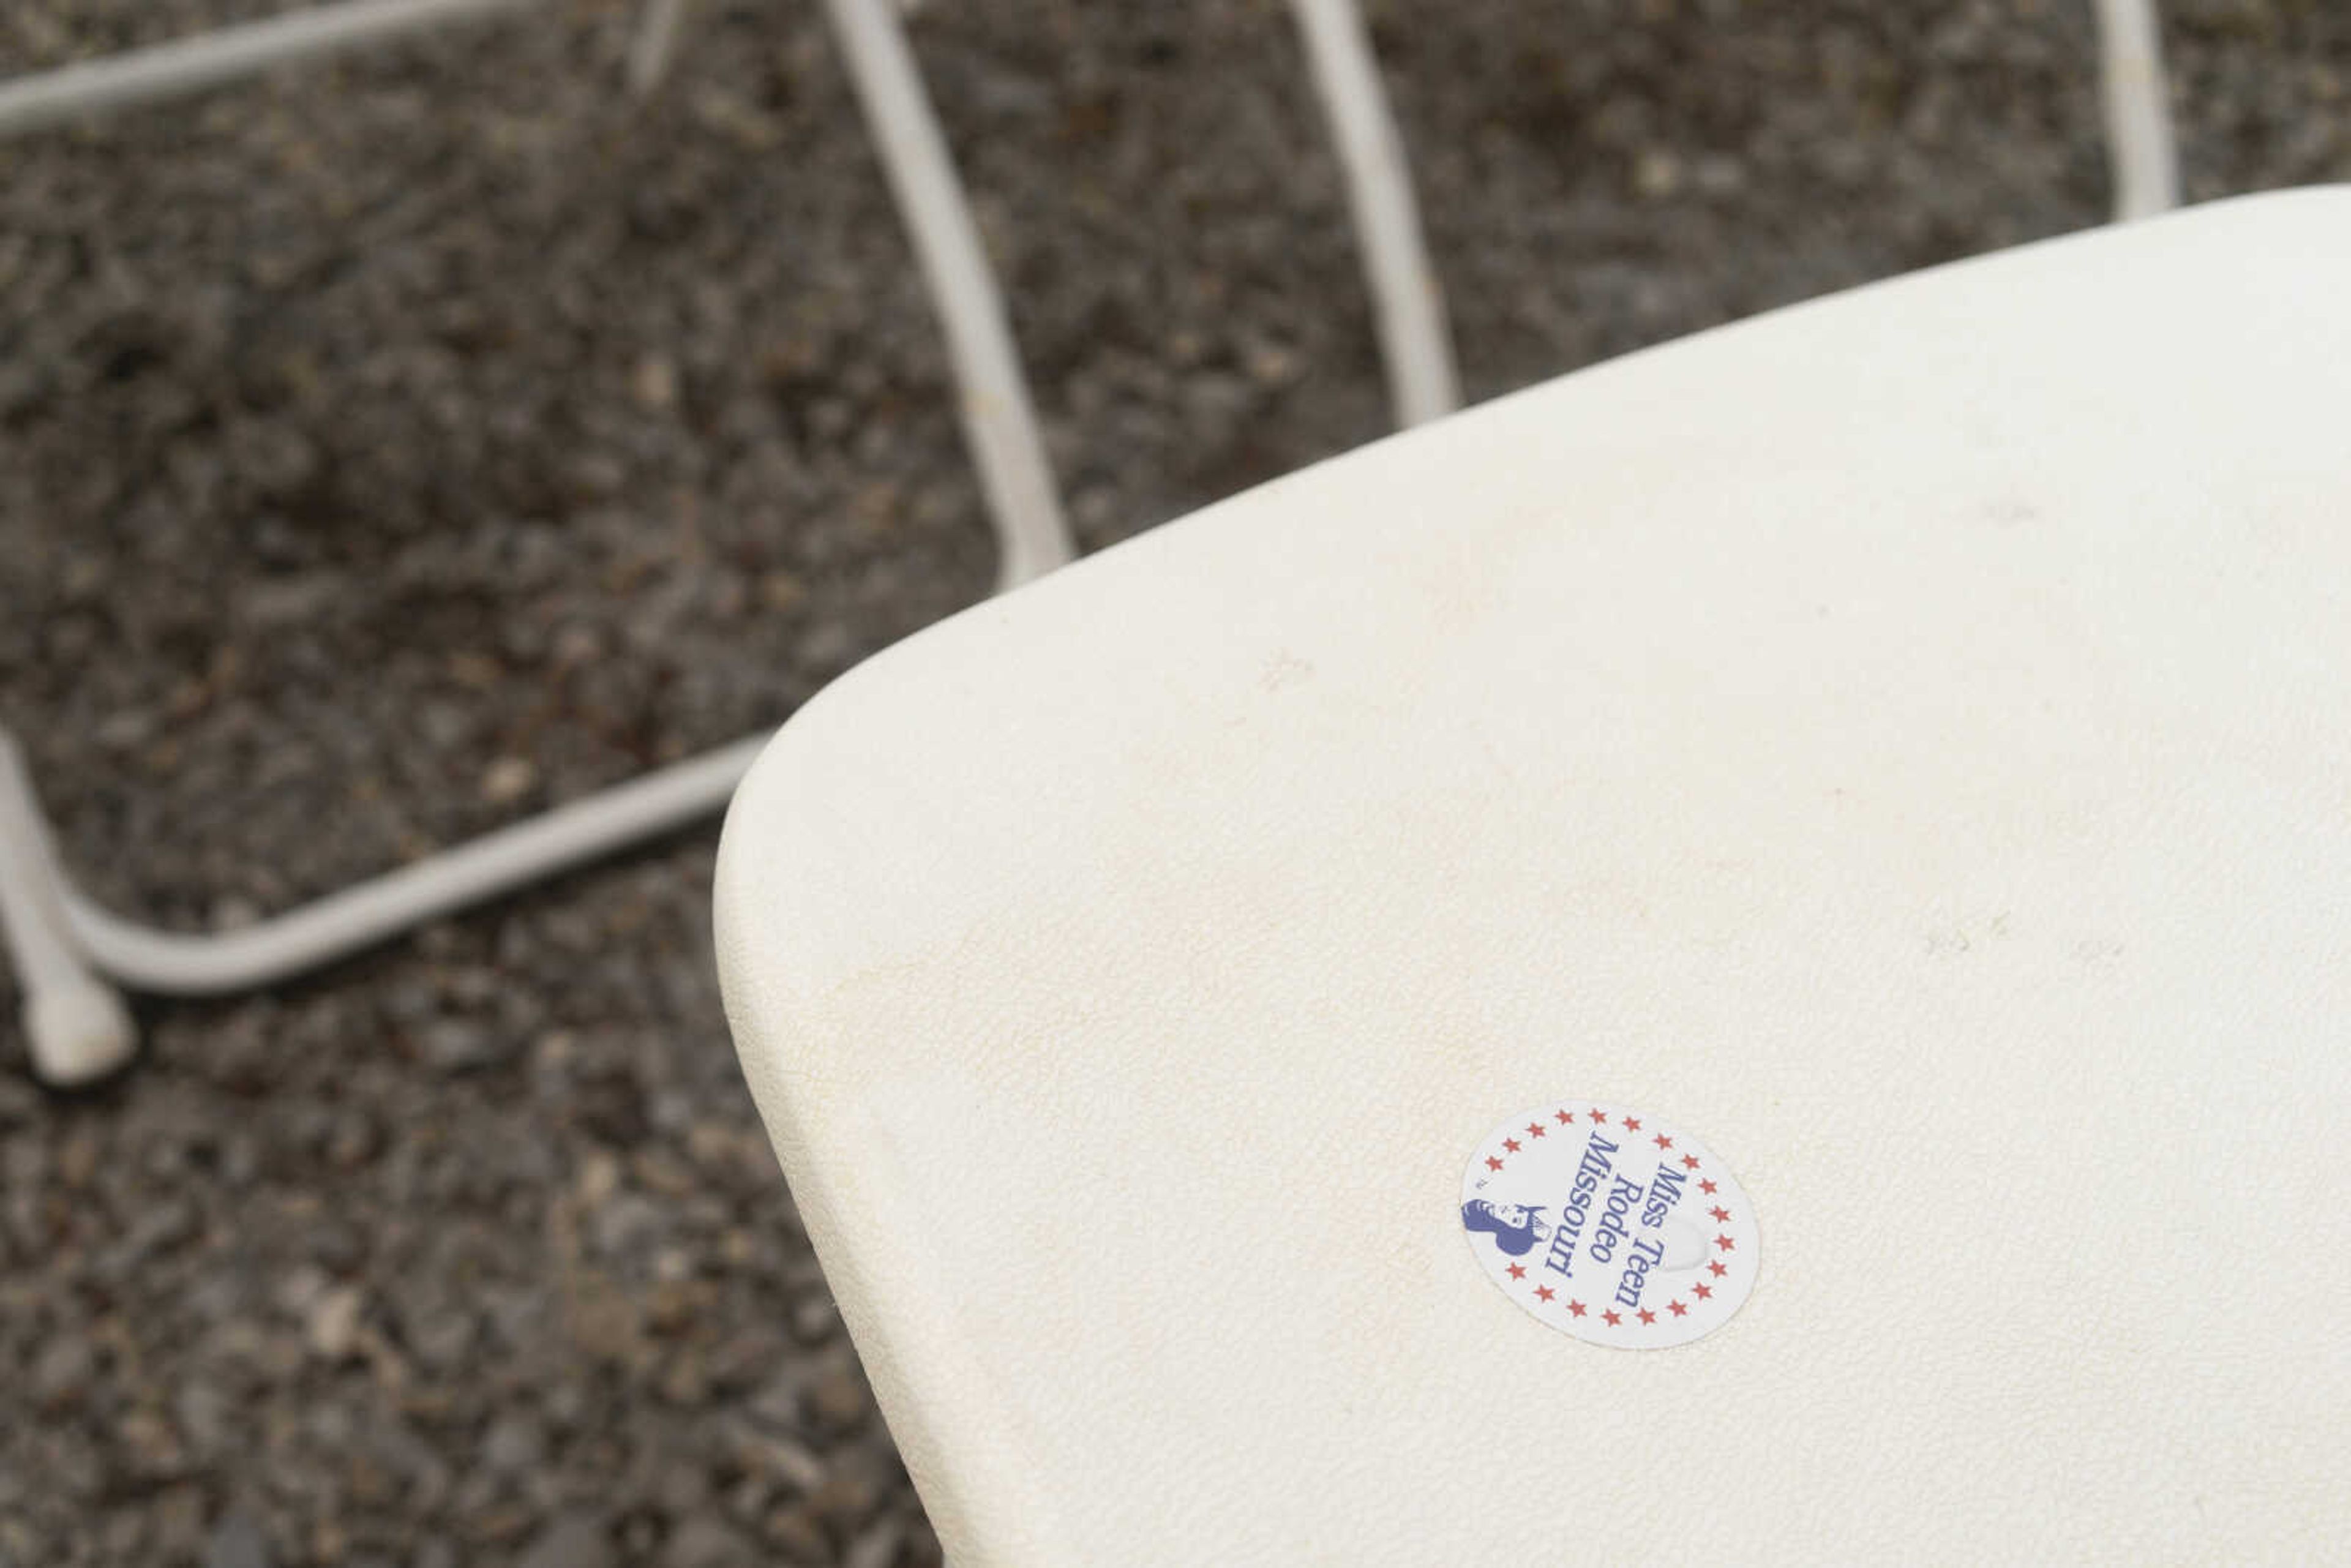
x,y
1904,739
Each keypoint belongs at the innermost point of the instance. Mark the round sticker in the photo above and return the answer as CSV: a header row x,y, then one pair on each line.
x,y
1609,1224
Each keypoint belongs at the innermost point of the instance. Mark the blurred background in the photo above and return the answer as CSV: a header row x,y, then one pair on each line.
x,y
394,446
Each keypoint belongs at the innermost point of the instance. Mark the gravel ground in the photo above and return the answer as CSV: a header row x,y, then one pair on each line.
x,y
391,449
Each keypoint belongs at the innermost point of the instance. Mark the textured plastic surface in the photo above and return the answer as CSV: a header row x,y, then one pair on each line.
x,y
1902,739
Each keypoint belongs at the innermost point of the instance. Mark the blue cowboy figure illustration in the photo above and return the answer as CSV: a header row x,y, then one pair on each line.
x,y
1516,1229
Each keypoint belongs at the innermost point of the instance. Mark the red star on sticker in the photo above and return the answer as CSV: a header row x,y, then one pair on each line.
x,y
1706,1188
1717,1268
1632,1123
1678,1310
1690,1162
1647,1316
1662,1141
1543,1292
1511,1145
1702,1290
1721,1214
1534,1129
1575,1309
1612,1319
1518,1271
1492,1164
1603,1116
1724,1242
1562,1117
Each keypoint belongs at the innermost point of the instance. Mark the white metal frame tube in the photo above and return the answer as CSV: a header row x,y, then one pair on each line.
x,y
999,421
66,948
213,59
1406,297
656,42
360,916
75,1024
2139,145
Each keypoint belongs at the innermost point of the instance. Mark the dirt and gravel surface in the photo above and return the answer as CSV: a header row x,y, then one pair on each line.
x,y
391,449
